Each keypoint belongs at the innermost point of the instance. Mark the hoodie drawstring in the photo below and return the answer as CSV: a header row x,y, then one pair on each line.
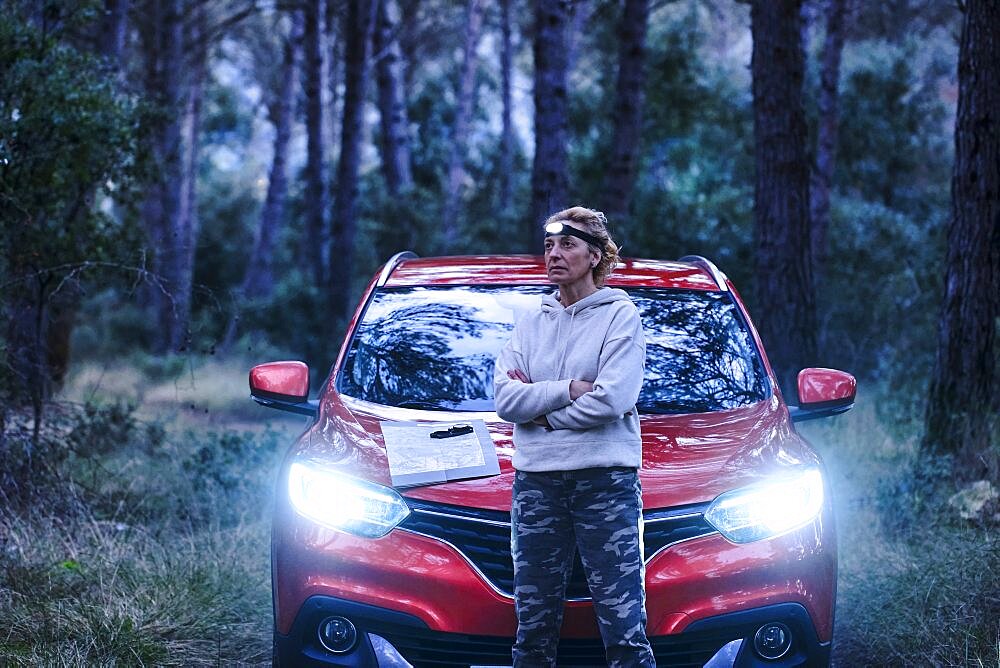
x,y
565,341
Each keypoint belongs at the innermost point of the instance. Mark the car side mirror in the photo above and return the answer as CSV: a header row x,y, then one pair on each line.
x,y
822,393
282,385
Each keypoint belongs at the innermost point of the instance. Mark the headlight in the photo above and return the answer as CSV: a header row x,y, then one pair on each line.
x,y
767,510
344,503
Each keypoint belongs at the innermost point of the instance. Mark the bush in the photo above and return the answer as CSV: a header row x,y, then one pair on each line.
x,y
125,543
917,583
93,592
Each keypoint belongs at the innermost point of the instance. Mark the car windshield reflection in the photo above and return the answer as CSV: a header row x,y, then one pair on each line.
x,y
434,348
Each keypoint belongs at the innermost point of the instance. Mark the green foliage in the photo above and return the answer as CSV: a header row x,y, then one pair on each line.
x,y
695,188
229,209
66,135
68,145
889,209
30,469
895,135
883,268
100,430
227,462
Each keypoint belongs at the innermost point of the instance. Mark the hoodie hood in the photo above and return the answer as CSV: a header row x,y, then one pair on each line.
x,y
552,306
553,309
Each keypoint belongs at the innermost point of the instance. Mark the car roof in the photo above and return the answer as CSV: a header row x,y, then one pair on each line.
x,y
530,270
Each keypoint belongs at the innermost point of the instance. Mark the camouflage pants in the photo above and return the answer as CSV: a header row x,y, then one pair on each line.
x,y
598,512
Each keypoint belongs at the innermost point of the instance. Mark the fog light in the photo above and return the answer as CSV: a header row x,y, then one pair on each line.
x,y
337,634
772,641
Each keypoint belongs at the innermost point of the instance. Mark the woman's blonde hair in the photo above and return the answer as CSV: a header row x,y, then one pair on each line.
x,y
596,225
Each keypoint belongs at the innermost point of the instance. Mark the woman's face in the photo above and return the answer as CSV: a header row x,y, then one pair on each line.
x,y
569,260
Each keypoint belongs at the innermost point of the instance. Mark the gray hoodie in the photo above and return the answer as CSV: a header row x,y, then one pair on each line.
x,y
598,339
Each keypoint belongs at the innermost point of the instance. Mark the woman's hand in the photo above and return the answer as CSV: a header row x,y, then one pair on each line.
x,y
517,374
578,388
542,421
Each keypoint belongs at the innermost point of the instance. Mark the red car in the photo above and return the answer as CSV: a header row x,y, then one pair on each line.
x,y
739,542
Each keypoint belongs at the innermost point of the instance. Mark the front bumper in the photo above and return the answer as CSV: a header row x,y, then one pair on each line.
x,y
387,639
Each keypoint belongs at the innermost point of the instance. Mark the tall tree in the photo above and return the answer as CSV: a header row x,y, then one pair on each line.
x,y
785,289
963,402
397,169
580,12
168,81
392,101
357,30
176,37
507,126
258,280
67,134
826,133
315,176
627,114
549,176
114,27
465,96
331,73
186,226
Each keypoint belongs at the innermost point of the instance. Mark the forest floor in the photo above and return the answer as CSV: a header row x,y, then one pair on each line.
x,y
137,531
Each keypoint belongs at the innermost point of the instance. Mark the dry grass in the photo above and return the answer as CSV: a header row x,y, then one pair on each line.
x,y
918,585
180,391
90,592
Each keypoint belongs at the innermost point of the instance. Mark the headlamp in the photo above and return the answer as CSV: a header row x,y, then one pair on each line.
x,y
554,229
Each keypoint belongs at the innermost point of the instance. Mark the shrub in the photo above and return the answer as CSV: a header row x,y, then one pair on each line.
x,y
131,544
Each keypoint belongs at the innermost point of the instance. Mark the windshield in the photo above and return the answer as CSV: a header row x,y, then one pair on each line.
x,y
434,348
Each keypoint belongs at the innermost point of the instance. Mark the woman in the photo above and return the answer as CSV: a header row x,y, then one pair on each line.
x,y
568,379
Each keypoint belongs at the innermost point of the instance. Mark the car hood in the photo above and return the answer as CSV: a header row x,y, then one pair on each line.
x,y
687,459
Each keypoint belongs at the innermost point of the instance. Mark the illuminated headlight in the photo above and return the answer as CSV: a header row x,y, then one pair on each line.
x,y
763,511
344,503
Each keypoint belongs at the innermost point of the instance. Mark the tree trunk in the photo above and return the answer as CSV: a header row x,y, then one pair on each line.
x,y
165,82
344,220
963,402
620,178
315,180
258,281
331,76
395,145
507,132
826,133
785,290
465,96
187,223
392,102
114,26
410,38
38,380
549,178
25,354
579,14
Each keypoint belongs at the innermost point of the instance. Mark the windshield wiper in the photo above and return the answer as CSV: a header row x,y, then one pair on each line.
x,y
420,404
667,407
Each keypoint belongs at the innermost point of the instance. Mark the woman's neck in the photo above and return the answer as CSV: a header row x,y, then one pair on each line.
x,y
573,292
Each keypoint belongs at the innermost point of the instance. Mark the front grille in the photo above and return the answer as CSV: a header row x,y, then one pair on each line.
x,y
426,649
483,537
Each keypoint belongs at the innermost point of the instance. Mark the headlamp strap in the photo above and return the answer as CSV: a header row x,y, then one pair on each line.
x,y
555,229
